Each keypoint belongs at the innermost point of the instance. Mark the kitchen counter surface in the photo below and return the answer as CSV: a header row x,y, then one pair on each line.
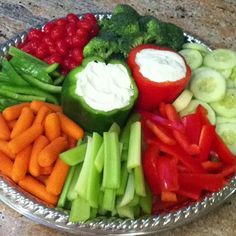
x,y
214,21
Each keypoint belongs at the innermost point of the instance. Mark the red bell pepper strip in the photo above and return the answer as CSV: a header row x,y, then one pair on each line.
x,y
151,93
223,152
171,113
150,168
229,170
191,149
157,119
209,182
167,196
162,109
202,112
207,137
187,160
167,172
193,126
212,165
163,136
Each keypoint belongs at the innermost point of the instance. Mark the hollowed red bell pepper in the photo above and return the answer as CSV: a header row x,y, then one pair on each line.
x,y
151,93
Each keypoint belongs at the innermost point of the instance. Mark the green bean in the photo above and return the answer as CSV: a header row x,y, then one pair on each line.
x,y
59,80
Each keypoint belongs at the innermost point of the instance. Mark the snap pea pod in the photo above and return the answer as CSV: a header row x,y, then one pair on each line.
x,y
59,80
52,67
12,73
26,66
20,97
46,87
15,52
7,102
27,90
3,76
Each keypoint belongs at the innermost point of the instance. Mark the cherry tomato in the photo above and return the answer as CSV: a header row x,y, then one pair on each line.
x,y
72,18
61,47
48,27
71,29
34,45
90,17
85,24
94,30
57,32
35,34
77,55
52,49
54,58
48,40
81,33
61,22
41,51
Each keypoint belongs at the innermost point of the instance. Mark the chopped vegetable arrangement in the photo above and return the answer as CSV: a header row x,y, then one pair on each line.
x,y
117,116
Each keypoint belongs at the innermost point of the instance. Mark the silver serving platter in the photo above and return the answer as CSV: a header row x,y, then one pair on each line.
x,y
27,205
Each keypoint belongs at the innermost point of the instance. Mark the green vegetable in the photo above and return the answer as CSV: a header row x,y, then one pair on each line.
x,y
124,178
75,155
193,58
59,80
139,181
109,199
90,119
125,9
7,102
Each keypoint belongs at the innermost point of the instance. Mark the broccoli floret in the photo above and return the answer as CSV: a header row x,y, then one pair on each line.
x,y
155,32
124,24
104,23
126,9
143,20
100,47
175,36
128,43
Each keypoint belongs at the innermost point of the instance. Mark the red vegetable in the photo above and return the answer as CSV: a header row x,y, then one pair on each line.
x,y
151,93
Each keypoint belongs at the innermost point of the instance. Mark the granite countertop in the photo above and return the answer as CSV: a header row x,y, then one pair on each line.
x,y
214,21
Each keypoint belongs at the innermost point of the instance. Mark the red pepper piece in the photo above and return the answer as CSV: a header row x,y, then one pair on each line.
x,y
162,109
151,93
212,165
207,137
167,196
171,113
150,168
168,175
223,152
160,133
193,126
183,157
202,112
157,119
227,171
191,149
209,182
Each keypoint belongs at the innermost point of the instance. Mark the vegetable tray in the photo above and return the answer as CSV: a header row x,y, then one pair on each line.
x,y
32,208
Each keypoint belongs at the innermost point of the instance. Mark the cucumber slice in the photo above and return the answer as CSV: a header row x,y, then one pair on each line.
x,y
230,84
225,73
196,46
193,57
227,106
198,70
220,59
192,106
227,131
182,101
208,85
220,120
233,76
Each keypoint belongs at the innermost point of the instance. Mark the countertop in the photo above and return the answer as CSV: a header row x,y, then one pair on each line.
x,y
214,21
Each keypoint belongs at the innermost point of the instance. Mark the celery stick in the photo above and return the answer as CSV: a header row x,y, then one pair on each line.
x,y
134,152
94,177
72,193
109,199
75,155
112,165
93,213
135,200
67,205
124,178
81,185
146,202
137,211
62,199
125,212
139,181
80,210
129,191
99,160
115,128
124,137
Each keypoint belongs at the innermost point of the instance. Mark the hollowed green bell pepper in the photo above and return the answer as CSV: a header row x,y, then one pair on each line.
x,y
91,119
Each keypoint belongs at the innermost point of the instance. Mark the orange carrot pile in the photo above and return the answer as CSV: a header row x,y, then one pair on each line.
x,y
32,137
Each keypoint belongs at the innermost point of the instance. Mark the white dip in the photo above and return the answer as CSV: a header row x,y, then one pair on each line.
x,y
104,87
160,65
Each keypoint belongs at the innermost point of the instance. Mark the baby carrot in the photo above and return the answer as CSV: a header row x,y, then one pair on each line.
x,y
36,105
52,126
21,163
11,124
72,142
5,164
36,188
43,179
4,129
24,122
46,170
26,138
41,115
13,112
69,127
51,152
39,144
57,178
6,150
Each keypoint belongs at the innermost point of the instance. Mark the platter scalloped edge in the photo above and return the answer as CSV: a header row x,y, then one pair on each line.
x,y
27,205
